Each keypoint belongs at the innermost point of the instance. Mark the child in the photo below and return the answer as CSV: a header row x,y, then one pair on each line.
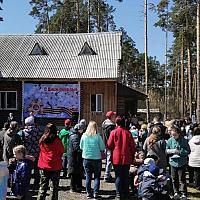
x,y
21,172
138,161
153,184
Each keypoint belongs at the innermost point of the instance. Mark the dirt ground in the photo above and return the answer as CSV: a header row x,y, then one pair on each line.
x,y
107,191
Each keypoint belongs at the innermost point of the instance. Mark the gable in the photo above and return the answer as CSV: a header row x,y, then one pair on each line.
x,y
38,50
87,50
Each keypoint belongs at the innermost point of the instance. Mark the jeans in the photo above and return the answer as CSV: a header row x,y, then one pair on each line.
x,y
122,179
46,176
64,164
90,167
179,179
197,177
108,164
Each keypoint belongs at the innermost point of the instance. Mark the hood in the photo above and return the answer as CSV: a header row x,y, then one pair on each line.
x,y
10,132
196,139
107,123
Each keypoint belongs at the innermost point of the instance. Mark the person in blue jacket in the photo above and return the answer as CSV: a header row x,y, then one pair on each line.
x,y
21,172
178,149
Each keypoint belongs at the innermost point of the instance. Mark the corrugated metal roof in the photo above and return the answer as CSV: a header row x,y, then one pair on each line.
x,y
62,60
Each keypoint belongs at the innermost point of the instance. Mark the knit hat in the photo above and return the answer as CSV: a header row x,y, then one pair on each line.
x,y
29,121
79,126
109,114
153,169
83,123
68,122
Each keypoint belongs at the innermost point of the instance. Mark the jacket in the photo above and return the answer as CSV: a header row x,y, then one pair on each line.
x,y
64,136
194,158
107,127
31,141
2,132
21,177
122,145
92,146
75,161
10,140
159,150
180,144
50,157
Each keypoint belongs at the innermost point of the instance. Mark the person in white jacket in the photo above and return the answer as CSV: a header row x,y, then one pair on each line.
x,y
194,158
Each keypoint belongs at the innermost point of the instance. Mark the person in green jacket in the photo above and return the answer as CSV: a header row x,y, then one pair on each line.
x,y
64,136
178,149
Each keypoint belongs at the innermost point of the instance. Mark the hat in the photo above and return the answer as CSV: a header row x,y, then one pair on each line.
x,y
109,114
68,122
149,161
29,121
83,123
79,126
153,169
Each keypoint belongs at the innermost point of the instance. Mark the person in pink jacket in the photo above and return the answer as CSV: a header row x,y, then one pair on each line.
x,y
122,145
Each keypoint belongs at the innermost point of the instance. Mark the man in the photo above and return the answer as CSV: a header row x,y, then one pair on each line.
x,y
107,126
64,136
2,132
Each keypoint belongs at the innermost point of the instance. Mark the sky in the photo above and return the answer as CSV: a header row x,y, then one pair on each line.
x,y
128,14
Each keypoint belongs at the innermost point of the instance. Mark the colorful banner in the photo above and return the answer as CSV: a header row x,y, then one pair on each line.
x,y
51,100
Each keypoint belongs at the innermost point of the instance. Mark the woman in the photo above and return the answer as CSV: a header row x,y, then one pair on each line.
x,y
155,146
123,149
75,161
194,159
50,161
92,145
178,149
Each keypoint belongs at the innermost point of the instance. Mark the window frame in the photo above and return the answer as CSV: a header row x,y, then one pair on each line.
x,y
96,98
6,102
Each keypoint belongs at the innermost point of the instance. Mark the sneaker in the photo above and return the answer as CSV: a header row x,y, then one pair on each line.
x,y
183,197
89,196
96,196
176,196
72,191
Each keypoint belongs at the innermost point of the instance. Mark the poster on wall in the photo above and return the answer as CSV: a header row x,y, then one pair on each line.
x,y
51,100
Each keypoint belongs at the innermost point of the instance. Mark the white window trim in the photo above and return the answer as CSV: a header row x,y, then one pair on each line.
x,y
96,102
6,101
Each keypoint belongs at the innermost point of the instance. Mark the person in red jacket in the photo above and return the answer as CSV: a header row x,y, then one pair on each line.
x,y
122,145
50,161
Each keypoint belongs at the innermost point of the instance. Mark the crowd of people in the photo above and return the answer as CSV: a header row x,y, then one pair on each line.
x,y
150,161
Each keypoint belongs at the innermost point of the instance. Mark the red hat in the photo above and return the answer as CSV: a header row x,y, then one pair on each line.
x,y
109,114
68,122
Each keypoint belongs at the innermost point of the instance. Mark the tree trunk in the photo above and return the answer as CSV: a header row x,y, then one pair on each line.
x,y
78,17
182,79
88,29
98,16
198,62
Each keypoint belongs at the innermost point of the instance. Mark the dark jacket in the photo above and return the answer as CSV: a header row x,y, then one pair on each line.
x,y
11,139
107,127
75,161
21,177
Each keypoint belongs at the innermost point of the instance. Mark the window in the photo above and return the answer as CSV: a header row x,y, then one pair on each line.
x,y
38,50
96,102
87,50
8,100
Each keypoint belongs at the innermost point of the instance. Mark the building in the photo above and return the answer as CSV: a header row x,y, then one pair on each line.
x,y
62,76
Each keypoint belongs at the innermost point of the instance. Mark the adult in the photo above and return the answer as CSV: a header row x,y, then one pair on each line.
x,y
10,140
50,161
194,159
2,133
155,146
107,126
64,136
178,149
31,136
10,118
157,122
92,145
75,161
123,149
